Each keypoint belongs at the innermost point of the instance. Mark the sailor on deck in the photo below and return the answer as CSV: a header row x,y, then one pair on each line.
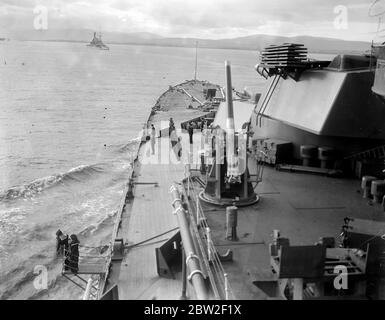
x,y
152,137
205,132
171,126
190,130
72,260
173,138
178,148
61,243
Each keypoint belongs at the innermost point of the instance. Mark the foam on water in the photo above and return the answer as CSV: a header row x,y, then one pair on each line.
x,y
37,186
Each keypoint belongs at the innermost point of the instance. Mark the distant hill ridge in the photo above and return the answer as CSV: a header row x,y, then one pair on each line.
x,y
254,42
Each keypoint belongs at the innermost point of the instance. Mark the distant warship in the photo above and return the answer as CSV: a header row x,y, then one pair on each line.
x,y
97,42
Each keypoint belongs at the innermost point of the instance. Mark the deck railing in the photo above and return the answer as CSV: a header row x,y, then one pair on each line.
x,y
218,276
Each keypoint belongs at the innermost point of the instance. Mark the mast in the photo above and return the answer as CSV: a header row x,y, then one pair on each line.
x,y
196,60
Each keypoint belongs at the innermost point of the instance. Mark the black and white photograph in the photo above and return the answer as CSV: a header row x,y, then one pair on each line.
x,y
192,155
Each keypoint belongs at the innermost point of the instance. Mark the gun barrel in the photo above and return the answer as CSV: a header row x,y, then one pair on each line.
x,y
229,98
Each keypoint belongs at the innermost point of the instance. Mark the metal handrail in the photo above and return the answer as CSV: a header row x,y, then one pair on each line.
x,y
215,261
260,166
210,254
196,275
364,153
203,250
87,292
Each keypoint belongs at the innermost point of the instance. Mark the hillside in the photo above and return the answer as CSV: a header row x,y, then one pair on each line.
x,y
254,42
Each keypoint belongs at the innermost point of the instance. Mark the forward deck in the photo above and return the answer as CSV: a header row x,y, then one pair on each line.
x,y
148,216
148,213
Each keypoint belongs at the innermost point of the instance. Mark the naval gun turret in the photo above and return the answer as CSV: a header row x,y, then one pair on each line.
x,y
228,178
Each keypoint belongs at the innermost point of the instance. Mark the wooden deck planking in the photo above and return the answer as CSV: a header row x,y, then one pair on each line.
x,y
149,212
138,276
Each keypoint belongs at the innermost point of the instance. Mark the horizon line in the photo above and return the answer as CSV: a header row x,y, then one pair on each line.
x,y
196,38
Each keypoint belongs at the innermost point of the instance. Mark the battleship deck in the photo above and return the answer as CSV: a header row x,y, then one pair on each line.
x,y
148,214
143,220
303,207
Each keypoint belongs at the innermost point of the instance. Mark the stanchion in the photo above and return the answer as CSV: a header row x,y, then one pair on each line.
x,y
184,275
208,234
87,292
226,287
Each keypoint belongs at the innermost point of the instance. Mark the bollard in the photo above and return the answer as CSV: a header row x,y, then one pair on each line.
x,y
366,185
326,155
273,247
203,165
231,223
277,243
378,190
308,153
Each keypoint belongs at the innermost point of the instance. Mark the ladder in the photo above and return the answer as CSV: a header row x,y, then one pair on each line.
x,y
191,96
267,98
374,153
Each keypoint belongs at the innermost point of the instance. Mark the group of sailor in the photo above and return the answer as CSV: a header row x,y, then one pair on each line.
x,y
68,247
175,140
197,125
176,144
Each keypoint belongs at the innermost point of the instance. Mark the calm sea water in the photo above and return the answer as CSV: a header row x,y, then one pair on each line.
x,y
68,117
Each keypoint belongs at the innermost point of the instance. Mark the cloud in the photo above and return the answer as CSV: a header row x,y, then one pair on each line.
x,y
201,18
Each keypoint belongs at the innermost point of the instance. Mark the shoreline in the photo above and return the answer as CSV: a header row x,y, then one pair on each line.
x,y
331,52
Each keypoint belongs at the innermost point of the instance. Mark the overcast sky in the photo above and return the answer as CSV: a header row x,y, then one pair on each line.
x,y
215,19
